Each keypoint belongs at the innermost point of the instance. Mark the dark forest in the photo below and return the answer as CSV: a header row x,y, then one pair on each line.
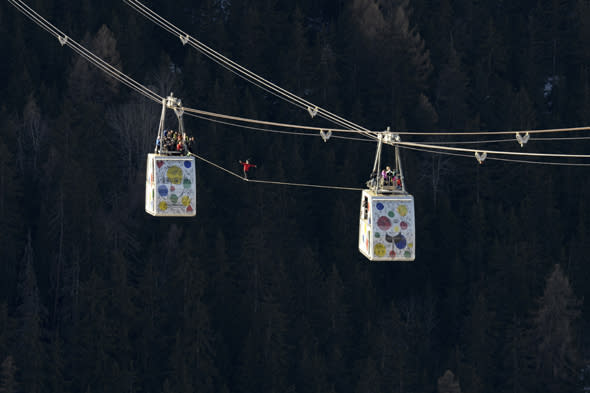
x,y
265,290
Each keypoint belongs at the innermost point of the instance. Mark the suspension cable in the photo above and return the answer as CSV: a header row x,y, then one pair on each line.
x,y
82,51
467,133
446,153
276,131
270,123
508,153
244,72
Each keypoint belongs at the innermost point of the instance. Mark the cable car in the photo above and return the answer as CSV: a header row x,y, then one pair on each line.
x,y
387,228
170,184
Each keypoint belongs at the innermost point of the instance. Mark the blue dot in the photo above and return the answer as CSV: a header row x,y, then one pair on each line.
x,y
187,164
379,206
400,241
163,190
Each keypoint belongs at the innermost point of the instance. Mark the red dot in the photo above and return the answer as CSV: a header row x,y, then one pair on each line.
x,y
384,223
403,225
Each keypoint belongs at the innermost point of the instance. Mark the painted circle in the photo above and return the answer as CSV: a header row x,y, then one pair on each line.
x,y
163,205
403,225
379,250
174,174
186,182
402,210
391,213
377,235
392,253
187,164
384,223
189,208
379,206
186,200
400,241
396,228
163,190
174,198
407,254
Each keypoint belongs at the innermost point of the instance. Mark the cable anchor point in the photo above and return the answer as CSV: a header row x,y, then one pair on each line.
x,y
325,135
480,157
522,140
62,40
390,137
184,39
312,112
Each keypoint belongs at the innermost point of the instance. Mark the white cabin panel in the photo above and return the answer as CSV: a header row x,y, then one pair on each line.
x,y
387,228
170,186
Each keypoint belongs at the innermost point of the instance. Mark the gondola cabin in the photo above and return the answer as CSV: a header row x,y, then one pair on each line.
x,y
387,229
170,188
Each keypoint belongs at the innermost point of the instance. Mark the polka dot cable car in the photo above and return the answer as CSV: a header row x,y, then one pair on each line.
x,y
170,189
387,229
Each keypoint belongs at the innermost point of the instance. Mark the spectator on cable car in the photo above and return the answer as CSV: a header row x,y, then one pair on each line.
x,y
191,144
372,179
397,180
246,166
389,175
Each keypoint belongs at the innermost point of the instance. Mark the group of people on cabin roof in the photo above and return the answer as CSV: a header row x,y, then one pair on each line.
x,y
389,177
173,141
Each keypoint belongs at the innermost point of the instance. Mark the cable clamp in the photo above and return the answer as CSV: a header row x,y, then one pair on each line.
x,y
522,139
480,157
173,102
184,39
390,137
312,112
62,40
325,135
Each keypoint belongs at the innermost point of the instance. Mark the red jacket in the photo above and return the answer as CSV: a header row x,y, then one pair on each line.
x,y
247,166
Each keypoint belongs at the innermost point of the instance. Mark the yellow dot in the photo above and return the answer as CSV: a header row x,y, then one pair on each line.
x,y
163,205
402,210
410,245
174,174
379,249
396,229
186,200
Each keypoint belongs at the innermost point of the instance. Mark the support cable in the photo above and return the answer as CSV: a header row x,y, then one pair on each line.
x,y
82,51
244,72
274,130
446,153
470,133
508,153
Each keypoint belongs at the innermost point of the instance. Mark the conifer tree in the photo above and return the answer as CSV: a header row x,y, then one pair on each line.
x,y
8,383
448,384
554,334
31,352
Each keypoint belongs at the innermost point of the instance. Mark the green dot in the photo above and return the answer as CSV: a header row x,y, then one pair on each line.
x,y
391,213
407,254
174,198
377,234
186,183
